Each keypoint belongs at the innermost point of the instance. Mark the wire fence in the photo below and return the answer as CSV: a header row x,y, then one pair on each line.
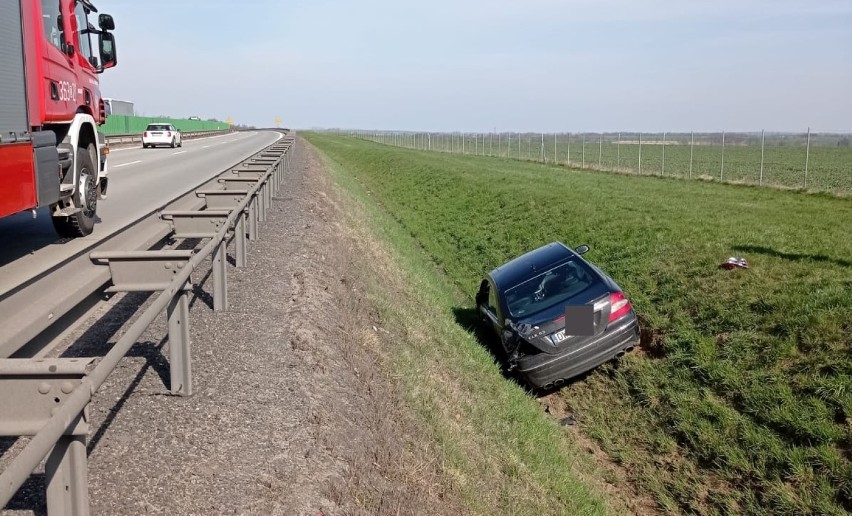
x,y
807,160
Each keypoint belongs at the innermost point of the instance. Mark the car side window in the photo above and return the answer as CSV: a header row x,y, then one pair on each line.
x,y
492,300
83,38
50,22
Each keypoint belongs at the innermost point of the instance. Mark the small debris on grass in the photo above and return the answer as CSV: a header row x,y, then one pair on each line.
x,y
568,420
735,262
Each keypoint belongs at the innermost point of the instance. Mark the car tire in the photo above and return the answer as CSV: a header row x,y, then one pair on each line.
x,y
83,222
174,144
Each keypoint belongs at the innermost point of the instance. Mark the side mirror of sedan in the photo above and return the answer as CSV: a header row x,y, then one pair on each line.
x,y
583,249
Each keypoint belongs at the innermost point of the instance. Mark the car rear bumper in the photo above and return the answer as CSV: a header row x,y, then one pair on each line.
x,y
159,141
543,370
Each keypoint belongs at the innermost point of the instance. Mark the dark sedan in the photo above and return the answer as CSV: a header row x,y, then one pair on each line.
x,y
525,300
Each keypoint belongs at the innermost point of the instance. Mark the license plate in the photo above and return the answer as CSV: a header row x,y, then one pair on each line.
x,y
156,134
558,337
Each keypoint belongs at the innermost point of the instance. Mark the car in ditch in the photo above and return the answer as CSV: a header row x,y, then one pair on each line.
x,y
161,134
527,302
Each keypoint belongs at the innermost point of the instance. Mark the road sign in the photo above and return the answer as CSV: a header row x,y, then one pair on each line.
x,y
230,121
277,121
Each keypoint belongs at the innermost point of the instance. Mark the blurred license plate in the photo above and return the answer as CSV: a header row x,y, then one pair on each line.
x,y
558,337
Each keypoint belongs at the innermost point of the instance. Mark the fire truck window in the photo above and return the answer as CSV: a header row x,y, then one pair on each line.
x,y
83,31
50,18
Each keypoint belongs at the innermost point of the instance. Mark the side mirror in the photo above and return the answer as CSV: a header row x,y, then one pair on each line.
x,y
583,249
105,22
107,47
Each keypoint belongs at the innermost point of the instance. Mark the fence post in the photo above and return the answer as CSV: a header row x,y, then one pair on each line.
x,y
541,153
640,153
463,142
663,170
555,157
722,171
568,145
762,147
508,145
600,151
584,150
691,148
618,152
807,158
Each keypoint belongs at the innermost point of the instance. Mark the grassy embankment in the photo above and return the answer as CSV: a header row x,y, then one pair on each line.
x,y
742,400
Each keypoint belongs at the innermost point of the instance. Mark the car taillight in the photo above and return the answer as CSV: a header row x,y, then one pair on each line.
x,y
619,306
145,134
169,133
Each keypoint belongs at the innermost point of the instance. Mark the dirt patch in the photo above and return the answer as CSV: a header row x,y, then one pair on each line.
x,y
615,481
651,340
292,413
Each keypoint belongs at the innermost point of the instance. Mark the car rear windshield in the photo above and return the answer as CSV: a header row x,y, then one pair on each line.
x,y
155,127
550,288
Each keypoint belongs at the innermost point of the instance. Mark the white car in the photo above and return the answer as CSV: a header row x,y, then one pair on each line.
x,y
161,134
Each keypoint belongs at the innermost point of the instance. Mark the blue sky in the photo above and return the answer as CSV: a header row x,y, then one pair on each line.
x,y
533,65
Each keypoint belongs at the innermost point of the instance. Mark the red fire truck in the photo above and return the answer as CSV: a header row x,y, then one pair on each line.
x,y
51,153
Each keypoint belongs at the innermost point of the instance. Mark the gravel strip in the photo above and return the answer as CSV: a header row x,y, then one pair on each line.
x,y
291,412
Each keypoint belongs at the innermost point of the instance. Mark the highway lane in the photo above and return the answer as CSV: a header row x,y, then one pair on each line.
x,y
141,180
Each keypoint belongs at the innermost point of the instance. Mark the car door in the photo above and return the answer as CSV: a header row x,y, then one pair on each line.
x,y
60,78
489,307
86,60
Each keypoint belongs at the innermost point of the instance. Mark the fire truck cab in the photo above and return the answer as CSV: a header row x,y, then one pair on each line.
x,y
51,153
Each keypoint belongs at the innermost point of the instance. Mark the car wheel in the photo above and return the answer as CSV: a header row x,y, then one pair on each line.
x,y
83,222
173,143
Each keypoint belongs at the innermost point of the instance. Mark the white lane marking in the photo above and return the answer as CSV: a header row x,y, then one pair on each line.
x,y
137,145
127,164
205,146
178,152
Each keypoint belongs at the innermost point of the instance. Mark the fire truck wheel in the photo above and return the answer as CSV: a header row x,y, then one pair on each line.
x,y
82,222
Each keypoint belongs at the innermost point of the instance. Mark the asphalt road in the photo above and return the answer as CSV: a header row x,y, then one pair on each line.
x,y
141,180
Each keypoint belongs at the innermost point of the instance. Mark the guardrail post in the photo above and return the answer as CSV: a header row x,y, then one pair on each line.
x,y
267,192
220,277
147,271
240,237
180,362
252,219
30,393
261,213
66,477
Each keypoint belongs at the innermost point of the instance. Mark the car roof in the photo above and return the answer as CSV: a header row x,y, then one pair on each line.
x,y
518,269
159,123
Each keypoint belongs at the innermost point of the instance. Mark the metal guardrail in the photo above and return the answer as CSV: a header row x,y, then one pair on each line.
x,y
48,398
127,139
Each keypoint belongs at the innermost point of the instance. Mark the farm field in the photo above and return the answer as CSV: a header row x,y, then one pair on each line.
x,y
741,399
829,166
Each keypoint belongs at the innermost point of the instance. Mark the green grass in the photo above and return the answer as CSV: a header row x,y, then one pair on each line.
x,y
496,451
746,404
829,166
